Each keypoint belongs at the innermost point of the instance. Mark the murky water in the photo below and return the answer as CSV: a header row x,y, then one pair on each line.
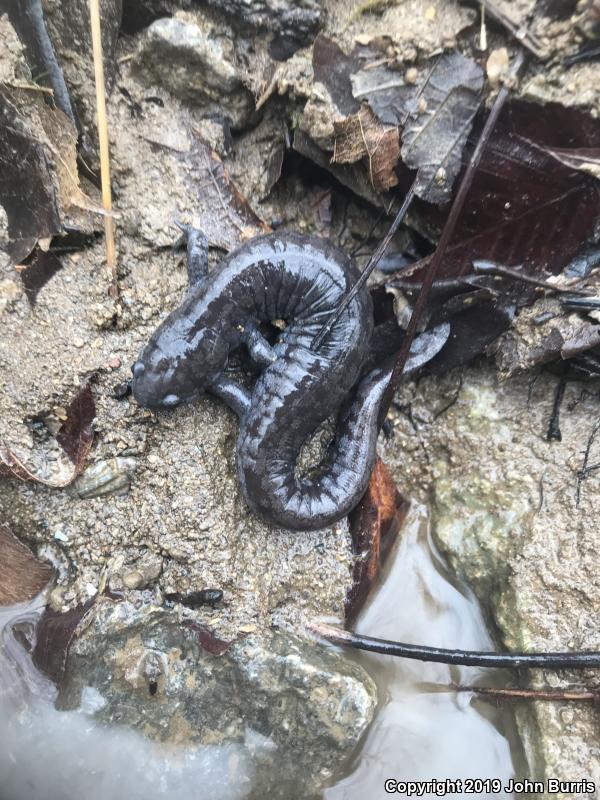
x,y
422,731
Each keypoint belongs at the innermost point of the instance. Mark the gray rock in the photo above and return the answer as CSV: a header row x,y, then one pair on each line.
x,y
507,515
141,573
195,60
105,477
307,706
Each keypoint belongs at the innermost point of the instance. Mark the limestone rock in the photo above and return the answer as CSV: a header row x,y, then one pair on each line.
x,y
308,705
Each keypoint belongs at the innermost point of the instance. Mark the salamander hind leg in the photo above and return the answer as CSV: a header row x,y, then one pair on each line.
x,y
260,350
197,253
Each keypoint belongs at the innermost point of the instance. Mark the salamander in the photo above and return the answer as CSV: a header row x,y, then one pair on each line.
x,y
299,280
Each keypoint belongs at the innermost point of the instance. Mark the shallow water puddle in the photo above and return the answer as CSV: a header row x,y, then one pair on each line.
x,y
64,755
422,732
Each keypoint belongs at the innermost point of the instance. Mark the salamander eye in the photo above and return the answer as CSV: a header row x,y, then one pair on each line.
x,y
138,368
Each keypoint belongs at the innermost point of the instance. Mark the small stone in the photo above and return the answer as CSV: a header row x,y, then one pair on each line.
x,y
146,570
114,362
56,599
248,628
197,63
60,535
497,66
109,476
60,413
78,341
133,580
411,75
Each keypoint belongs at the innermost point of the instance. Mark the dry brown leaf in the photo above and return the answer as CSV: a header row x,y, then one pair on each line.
x,y
362,135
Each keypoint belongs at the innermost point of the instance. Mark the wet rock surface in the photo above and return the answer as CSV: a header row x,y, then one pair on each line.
x,y
195,61
302,708
516,523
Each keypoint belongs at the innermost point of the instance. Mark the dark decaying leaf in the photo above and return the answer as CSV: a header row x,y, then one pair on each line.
x,y
586,337
437,113
75,436
54,633
374,526
227,216
23,575
27,183
362,136
333,68
525,206
471,331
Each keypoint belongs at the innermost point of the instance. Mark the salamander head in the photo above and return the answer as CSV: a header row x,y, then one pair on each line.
x,y
177,363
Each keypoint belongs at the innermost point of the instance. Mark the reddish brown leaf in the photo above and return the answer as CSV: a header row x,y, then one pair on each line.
x,y
374,526
526,206
363,136
23,576
76,433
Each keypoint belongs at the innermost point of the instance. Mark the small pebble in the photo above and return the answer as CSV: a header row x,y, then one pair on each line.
x,y
114,362
133,580
411,75
60,535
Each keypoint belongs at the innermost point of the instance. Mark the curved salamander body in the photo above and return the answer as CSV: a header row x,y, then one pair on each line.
x,y
300,280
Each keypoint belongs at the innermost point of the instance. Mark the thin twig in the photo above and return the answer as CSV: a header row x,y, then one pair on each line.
x,y
583,473
103,140
556,695
466,658
446,235
381,250
488,268
373,261
523,36
553,433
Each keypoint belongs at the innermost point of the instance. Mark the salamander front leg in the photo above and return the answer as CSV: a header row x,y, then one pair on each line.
x,y
260,350
232,394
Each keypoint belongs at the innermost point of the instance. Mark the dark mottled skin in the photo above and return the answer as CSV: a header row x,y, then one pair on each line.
x,y
298,279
